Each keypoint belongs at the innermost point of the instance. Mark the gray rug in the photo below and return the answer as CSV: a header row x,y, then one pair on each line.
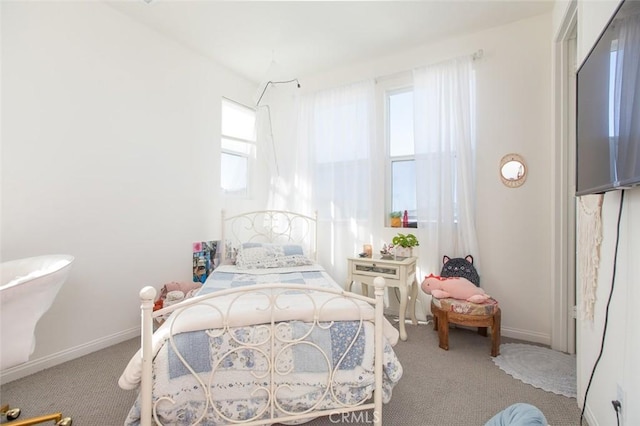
x,y
539,367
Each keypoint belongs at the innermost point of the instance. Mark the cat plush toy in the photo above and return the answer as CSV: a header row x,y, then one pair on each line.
x,y
458,279
460,267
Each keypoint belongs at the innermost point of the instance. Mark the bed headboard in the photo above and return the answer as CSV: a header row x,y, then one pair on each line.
x,y
269,226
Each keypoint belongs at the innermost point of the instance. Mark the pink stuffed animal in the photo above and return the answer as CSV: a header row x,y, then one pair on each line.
x,y
455,287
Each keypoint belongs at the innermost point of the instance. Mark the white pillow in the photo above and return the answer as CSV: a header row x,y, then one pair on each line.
x,y
263,255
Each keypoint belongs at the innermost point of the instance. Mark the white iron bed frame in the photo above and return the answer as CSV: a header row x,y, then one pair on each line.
x,y
269,226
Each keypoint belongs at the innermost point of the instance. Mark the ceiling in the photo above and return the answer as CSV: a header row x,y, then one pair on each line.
x,y
282,40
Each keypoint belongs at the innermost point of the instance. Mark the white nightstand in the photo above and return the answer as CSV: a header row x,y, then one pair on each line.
x,y
400,274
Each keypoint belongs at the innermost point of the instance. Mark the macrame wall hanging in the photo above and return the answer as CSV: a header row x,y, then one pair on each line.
x,y
589,241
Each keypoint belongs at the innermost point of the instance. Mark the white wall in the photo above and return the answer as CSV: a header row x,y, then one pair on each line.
x,y
618,366
513,104
110,149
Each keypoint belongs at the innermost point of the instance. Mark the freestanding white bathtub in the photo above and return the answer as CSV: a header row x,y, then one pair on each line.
x,y
27,289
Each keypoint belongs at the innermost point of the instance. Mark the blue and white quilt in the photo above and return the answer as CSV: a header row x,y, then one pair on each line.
x,y
232,366
227,277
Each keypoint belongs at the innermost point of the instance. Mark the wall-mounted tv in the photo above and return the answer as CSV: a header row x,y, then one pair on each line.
x,y
608,107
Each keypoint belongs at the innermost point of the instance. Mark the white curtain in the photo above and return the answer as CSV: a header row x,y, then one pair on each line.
x,y
336,146
445,162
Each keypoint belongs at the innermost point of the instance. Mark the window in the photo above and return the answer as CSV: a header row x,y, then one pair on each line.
x,y
401,154
238,146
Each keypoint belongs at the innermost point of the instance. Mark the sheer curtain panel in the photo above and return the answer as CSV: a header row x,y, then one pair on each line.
x,y
445,161
336,133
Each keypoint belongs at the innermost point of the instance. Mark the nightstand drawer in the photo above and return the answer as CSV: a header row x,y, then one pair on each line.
x,y
375,270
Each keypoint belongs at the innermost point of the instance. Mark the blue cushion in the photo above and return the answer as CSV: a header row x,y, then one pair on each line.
x,y
519,414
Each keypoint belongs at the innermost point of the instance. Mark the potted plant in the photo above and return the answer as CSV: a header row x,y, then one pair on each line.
x,y
404,244
396,219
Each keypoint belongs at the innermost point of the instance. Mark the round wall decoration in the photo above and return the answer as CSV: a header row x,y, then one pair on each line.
x,y
513,170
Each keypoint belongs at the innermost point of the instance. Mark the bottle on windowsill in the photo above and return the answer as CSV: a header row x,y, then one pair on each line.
x,y
405,220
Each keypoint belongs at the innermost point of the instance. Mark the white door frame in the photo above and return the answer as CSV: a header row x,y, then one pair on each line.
x,y
563,184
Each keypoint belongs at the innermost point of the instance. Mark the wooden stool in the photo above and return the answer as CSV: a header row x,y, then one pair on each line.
x,y
470,314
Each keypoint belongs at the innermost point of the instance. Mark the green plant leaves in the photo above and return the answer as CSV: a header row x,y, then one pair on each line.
x,y
403,240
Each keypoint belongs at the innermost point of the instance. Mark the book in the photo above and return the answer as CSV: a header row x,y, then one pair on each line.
x,y
206,257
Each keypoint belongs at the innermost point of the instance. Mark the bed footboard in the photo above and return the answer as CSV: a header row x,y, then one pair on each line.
x,y
273,305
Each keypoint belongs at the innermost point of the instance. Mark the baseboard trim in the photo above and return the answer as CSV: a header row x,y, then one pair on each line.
x,y
589,417
514,333
527,335
33,366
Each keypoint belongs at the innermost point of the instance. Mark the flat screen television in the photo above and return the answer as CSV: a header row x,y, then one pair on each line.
x,y
608,107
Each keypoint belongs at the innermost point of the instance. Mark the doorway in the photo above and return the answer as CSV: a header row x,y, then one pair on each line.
x,y
563,333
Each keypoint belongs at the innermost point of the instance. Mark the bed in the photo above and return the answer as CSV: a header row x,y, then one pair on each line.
x,y
270,338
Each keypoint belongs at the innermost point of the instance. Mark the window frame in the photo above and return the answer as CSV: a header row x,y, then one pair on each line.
x,y
249,153
388,87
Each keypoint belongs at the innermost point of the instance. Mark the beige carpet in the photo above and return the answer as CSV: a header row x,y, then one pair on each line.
x,y
458,387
